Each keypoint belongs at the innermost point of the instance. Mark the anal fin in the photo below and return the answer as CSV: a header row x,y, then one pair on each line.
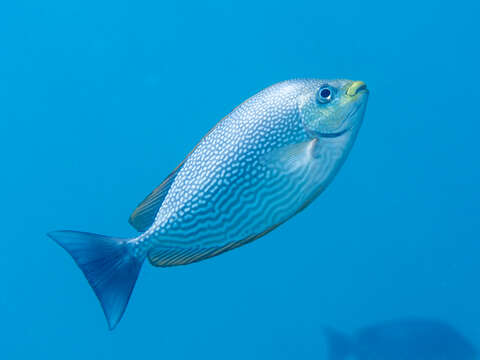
x,y
165,256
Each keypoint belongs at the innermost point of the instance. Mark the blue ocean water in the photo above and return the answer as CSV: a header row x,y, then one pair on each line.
x,y
101,100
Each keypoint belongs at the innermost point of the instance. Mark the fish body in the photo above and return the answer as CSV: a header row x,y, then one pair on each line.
x,y
413,339
258,167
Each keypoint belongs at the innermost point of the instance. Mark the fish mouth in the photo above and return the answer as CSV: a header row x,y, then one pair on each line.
x,y
356,87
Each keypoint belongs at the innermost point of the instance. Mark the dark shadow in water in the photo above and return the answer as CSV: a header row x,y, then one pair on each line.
x,y
402,339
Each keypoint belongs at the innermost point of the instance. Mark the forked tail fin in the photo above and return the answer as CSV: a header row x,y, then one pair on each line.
x,y
339,346
109,266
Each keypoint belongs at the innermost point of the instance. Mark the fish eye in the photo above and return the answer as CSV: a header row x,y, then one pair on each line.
x,y
325,94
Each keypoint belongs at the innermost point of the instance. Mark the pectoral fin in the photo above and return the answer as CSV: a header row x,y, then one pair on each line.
x,y
290,158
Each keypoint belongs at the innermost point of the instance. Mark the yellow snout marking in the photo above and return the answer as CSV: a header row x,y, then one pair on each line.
x,y
356,87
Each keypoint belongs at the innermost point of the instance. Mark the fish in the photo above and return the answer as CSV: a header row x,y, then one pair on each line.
x,y
409,338
255,169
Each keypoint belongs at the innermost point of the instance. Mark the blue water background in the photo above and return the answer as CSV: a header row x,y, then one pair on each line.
x,y
100,100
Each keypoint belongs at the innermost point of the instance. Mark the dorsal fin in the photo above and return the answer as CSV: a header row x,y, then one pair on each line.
x,y
144,215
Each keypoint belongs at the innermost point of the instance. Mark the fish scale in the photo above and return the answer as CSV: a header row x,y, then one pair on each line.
x,y
259,166
252,130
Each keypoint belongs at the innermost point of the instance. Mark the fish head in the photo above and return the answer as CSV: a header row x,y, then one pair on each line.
x,y
330,108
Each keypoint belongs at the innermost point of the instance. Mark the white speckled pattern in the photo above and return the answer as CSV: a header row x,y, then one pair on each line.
x,y
259,166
